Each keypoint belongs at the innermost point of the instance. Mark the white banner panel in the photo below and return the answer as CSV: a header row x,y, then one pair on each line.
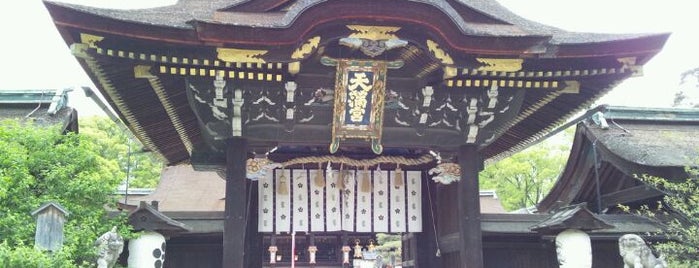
x,y
414,184
397,209
363,202
265,201
317,202
282,213
380,201
332,205
300,202
291,200
348,201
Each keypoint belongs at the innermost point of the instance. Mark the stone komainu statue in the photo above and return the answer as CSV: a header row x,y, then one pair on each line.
x,y
109,247
636,254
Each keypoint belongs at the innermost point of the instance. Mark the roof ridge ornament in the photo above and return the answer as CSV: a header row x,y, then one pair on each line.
x,y
373,40
598,119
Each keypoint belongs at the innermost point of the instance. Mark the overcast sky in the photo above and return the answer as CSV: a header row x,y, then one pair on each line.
x,y
34,55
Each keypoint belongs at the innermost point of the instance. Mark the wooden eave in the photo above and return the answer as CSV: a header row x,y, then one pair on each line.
x,y
542,111
439,19
535,122
642,46
146,217
174,51
577,180
572,217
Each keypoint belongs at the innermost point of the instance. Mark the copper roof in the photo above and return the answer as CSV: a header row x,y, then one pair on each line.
x,y
44,107
181,188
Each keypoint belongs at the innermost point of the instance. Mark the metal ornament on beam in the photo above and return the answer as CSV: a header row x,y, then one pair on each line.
x,y
446,173
360,88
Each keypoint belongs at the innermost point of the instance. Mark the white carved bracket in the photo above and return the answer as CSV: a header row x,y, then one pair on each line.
x,y
237,124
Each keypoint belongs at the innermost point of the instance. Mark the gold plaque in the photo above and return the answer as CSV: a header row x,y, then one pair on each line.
x,y
359,101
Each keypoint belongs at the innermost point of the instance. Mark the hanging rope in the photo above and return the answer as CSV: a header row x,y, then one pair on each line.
x,y
434,225
357,163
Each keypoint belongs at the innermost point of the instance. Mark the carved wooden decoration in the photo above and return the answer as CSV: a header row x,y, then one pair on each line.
x,y
359,102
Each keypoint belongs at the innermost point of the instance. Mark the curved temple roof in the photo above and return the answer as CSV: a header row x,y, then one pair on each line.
x,y
282,14
628,142
505,80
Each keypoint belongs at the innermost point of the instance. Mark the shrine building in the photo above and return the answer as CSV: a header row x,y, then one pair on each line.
x,y
332,121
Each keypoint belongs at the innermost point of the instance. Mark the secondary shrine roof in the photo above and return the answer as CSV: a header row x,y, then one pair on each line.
x,y
627,142
460,72
44,107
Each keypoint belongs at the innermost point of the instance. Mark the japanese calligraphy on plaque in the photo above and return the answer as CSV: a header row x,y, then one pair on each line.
x,y
359,100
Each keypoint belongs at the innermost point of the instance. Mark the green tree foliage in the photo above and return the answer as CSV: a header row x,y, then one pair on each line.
x,y
679,209
142,167
678,212
38,165
524,178
687,96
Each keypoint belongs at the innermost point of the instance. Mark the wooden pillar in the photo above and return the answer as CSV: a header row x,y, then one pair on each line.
x,y
255,253
469,208
235,222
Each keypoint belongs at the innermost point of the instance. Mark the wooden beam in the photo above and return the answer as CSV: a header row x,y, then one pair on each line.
x,y
235,222
469,208
632,194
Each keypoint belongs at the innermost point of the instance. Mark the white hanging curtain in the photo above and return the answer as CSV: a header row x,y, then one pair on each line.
x,y
397,196
282,201
317,203
332,202
347,196
414,194
380,201
293,200
265,200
